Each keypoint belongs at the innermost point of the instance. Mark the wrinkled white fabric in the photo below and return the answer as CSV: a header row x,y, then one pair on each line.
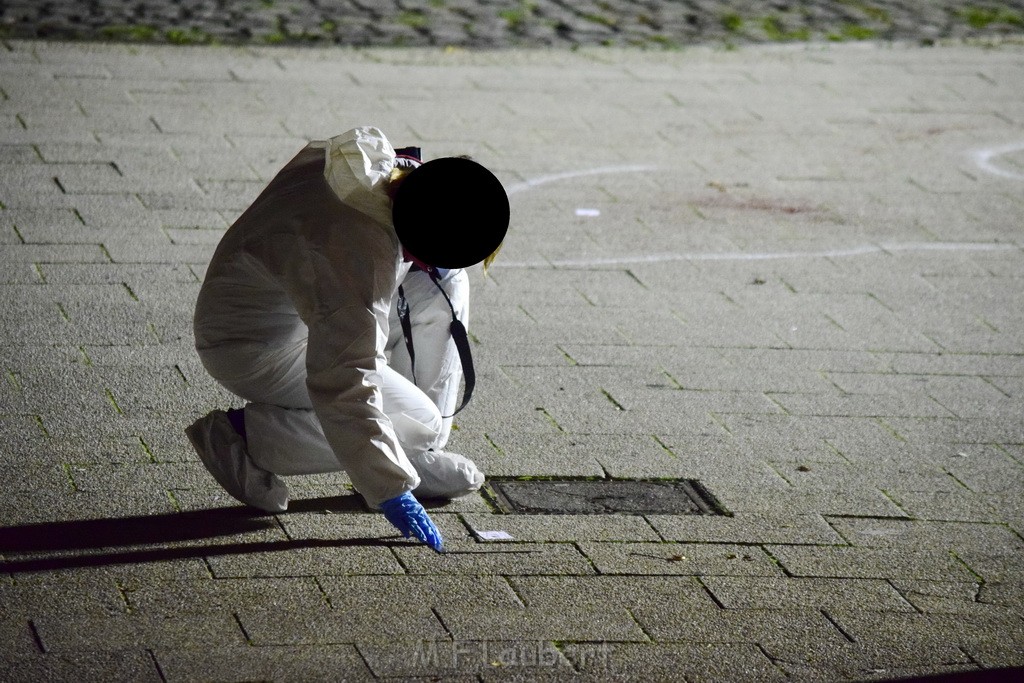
x,y
445,475
358,165
293,316
224,455
438,368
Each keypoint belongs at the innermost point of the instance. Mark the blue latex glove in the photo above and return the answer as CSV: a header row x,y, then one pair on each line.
x,y
409,517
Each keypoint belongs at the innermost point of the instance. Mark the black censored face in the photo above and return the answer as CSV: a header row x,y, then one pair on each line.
x,y
451,213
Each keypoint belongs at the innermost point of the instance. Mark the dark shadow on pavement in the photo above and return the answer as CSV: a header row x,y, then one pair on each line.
x,y
102,542
1004,675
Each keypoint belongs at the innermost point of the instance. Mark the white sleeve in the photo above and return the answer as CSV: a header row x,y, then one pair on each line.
x,y
343,379
351,267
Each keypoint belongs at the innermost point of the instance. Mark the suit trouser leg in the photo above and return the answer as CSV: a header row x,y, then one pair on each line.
x,y
283,432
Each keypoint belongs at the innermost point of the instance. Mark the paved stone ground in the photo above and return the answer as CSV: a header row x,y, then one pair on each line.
x,y
793,274
504,23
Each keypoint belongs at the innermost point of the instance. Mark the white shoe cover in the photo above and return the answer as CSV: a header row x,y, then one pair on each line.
x,y
445,475
224,454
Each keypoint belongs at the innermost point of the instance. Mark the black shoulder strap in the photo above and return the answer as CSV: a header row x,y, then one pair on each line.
x,y
459,335
461,338
403,317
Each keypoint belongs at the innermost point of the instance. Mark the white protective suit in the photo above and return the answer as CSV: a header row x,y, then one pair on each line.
x,y
297,315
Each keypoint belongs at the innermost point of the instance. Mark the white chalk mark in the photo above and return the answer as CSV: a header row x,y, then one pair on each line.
x,y
762,256
569,175
982,157
984,160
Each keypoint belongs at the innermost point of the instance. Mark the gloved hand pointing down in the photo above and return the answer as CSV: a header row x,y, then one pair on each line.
x,y
409,517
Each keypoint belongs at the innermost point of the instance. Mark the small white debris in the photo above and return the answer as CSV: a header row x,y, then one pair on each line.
x,y
588,212
494,535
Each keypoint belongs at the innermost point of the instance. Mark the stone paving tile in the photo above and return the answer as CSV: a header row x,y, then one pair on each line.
x,y
132,275
28,598
941,597
468,660
127,441
369,593
323,558
921,535
629,592
135,664
328,524
697,559
510,414
39,477
539,624
784,628
650,457
734,592
524,354
319,662
864,563
958,505
282,626
997,564
996,653
585,331
860,662
784,380
747,528
1008,593
878,405
504,452
779,497
617,455
120,550
665,606
565,528
961,435
18,633
683,412
64,633
703,662
511,559
686,402
923,637
910,475
100,577
208,595
986,469
38,506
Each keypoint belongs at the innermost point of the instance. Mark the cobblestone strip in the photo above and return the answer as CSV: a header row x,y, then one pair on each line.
x,y
509,23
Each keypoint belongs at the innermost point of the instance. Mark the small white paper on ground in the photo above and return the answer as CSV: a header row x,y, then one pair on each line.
x,y
494,535
588,212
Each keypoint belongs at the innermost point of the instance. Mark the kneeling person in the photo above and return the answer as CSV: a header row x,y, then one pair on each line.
x,y
335,306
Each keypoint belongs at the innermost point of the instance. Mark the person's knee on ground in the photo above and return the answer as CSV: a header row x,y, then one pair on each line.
x,y
219,440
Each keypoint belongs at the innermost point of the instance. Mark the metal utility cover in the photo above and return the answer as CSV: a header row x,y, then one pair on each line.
x,y
603,497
